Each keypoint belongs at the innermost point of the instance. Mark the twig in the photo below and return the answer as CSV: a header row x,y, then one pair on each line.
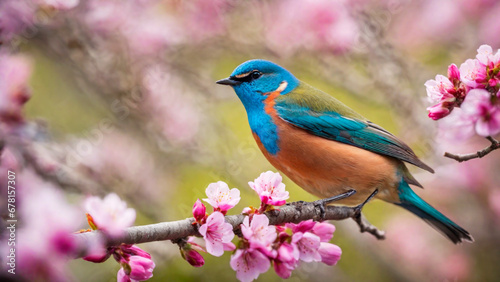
x,y
293,212
495,144
365,226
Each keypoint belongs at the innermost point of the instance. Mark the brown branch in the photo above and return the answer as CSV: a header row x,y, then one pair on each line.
x,y
495,144
290,213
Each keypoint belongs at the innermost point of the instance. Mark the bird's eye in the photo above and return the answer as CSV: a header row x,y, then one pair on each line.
x,y
255,74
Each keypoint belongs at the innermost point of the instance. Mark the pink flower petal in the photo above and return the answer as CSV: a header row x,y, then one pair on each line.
x,y
249,264
330,253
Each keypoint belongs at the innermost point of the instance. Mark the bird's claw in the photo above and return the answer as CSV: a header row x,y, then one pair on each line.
x,y
323,202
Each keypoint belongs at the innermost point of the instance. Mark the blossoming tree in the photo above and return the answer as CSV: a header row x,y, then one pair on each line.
x,y
133,128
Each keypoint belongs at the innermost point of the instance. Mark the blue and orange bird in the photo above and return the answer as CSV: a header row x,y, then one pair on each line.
x,y
327,148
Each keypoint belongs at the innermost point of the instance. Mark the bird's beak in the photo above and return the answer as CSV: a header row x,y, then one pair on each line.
x,y
228,81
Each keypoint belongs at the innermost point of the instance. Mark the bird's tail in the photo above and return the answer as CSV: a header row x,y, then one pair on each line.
x,y
413,203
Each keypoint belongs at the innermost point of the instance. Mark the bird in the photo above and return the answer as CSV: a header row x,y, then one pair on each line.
x,y
327,148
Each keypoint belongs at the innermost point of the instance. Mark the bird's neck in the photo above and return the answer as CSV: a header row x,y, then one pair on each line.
x,y
263,126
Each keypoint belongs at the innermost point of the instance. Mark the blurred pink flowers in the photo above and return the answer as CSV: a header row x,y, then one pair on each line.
x,y
484,115
221,197
217,233
15,16
58,4
270,189
409,245
324,25
168,103
15,71
110,214
46,241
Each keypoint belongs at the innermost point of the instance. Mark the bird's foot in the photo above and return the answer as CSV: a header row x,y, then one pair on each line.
x,y
364,225
357,209
321,204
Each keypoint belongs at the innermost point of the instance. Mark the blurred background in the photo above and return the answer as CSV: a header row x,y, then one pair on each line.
x,y
122,99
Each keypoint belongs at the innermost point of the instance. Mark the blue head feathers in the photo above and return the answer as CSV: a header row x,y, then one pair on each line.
x,y
253,81
254,78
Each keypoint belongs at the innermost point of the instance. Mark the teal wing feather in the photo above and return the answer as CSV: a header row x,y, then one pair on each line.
x,y
325,116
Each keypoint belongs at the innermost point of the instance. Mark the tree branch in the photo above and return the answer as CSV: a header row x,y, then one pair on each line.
x,y
495,144
290,213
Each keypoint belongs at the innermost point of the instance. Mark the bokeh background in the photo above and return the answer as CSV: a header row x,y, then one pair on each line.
x,y
123,99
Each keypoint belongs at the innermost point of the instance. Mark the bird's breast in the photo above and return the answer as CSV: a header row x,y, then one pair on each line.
x,y
326,168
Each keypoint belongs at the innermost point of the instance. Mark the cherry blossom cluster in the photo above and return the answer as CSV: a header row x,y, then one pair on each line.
x,y
470,96
111,216
261,245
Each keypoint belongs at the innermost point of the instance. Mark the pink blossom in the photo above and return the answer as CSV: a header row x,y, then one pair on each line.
x,y
220,197
302,227
110,214
473,73
479,107
216,232
259,233
439,89
308,245
199,211
446,92
270,188
486,57
491,63
311,240
122,277
249,264
286,260
476,115
330,253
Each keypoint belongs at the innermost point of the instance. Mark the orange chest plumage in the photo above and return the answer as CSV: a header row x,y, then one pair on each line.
x,y
326,168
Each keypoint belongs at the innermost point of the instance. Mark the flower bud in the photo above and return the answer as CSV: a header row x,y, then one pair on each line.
x,y
199,211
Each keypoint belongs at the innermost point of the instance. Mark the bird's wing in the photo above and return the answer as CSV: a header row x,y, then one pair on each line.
x,y
325,116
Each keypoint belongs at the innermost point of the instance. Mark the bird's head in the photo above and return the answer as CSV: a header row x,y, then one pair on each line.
x,y
255,79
